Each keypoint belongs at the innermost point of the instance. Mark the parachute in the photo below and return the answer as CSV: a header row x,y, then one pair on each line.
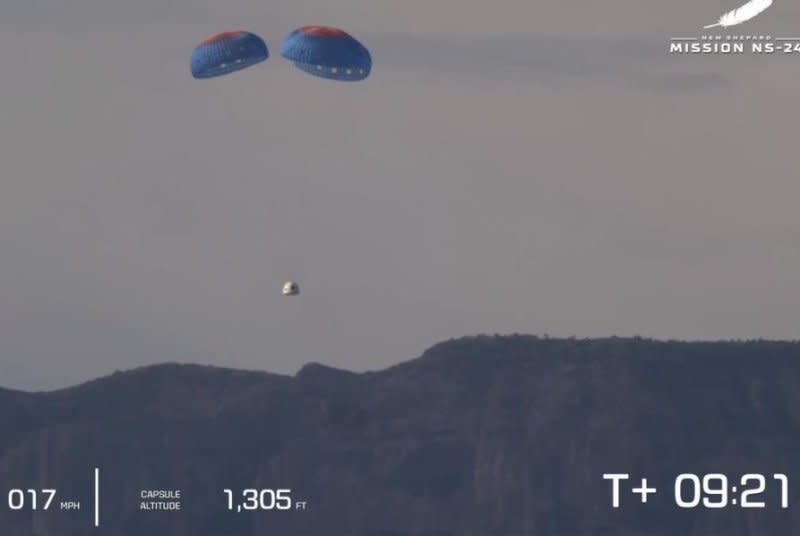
x,y
226,53
328,53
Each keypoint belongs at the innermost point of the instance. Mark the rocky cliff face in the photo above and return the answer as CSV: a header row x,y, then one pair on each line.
x,y
486,435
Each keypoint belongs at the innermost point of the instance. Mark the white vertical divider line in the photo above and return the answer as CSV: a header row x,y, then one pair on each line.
x,y
96,497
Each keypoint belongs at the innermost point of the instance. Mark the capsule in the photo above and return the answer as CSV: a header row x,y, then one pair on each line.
x,y
290,288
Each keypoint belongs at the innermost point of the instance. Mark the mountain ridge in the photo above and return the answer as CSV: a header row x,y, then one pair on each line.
x,y
432,352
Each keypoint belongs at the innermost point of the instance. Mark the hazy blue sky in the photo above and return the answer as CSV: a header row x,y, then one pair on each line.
x,y
510,166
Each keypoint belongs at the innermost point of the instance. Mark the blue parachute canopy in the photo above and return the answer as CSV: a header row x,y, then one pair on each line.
x,y
226,53
328,53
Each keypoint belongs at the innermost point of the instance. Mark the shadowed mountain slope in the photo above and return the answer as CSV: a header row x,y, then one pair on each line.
x,y
481,435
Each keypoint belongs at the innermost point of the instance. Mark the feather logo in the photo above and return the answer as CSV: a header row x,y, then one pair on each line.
x,y
741,14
